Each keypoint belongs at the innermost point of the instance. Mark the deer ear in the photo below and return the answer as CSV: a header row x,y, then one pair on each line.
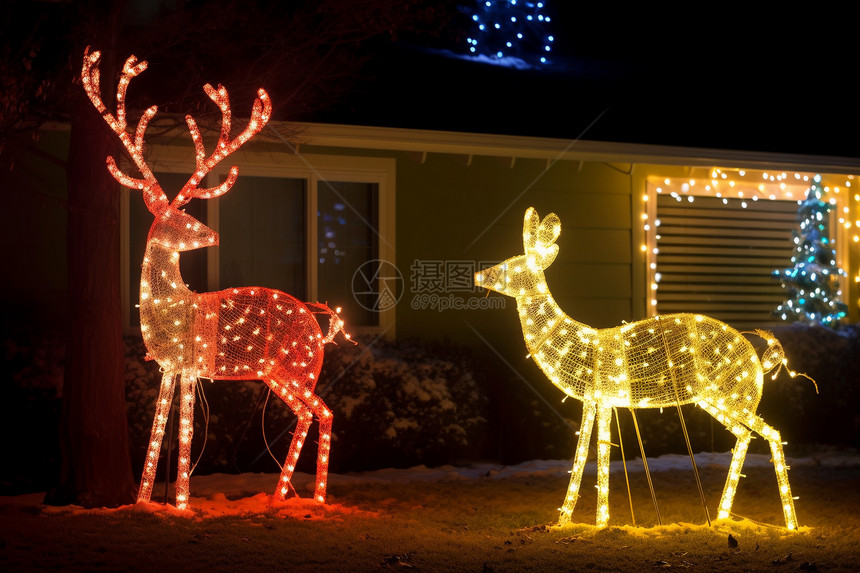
x,y
548,256
549,230
530,228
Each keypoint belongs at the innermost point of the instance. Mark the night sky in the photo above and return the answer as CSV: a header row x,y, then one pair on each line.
x,y
719,80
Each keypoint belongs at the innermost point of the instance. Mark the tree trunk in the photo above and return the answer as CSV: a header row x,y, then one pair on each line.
x,y
96,464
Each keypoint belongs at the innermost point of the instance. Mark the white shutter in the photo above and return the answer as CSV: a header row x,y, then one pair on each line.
x,y
715,257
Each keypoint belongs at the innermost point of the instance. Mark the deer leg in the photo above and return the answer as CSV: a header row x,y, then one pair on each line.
x,y
772,436
162,411
305,417
588,412
325,419
739,452
604,437
188,385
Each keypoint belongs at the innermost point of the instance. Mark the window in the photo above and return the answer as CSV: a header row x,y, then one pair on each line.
x,y
713,244
347,214
262,220
300,224
716,259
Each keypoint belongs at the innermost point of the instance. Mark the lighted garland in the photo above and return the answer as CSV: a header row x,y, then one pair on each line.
x,y
749,186
659,362
247,333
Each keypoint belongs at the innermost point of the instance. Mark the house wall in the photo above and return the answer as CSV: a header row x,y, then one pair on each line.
x,y
467,210
451,209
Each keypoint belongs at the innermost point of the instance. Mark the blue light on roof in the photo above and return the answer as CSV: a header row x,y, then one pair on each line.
x,y
510,32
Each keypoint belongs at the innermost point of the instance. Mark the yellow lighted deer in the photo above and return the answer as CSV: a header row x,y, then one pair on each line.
x,y
662,361
246,333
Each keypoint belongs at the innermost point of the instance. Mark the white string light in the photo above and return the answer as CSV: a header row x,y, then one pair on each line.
x,y
750,185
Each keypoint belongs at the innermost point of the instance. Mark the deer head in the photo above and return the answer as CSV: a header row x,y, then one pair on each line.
x,y
173,227
523,275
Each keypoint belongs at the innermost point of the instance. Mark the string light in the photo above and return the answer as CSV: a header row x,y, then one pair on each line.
x,y
749,185
246,333
851,223
659,362
511,29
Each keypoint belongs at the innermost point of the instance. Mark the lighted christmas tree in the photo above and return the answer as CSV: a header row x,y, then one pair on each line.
x,y
513,32
813,280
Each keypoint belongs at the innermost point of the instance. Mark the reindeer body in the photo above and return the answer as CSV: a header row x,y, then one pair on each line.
x,y
247,333
228,334
658,362
652,363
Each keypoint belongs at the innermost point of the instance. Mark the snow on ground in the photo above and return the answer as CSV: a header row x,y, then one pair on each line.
x,y
207,485
248,493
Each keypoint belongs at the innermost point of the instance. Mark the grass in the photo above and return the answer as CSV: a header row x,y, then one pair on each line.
x,y
484,525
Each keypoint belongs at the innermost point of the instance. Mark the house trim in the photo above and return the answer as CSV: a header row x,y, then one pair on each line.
x,y
551,149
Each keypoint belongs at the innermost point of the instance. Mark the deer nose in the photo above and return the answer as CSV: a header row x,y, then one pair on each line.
x,y
479,279
486,278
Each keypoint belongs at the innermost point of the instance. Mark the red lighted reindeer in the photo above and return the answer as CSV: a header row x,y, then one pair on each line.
x,y
246,333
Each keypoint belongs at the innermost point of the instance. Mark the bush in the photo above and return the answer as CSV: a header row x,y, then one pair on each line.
x,y
805,420
832,359
398,404
394,405
403,404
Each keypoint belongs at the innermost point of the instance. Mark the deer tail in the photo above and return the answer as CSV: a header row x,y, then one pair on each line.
x,y
335,322
773,357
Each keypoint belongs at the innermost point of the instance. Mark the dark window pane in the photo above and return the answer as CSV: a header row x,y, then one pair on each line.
x,y
262,228
347,238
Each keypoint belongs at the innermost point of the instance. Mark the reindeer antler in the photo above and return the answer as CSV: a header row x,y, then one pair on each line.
x,y
260,114
153,195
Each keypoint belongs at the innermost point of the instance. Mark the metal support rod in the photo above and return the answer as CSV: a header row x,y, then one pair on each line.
x,y
624,465
645,463
683,423
171,416
695,468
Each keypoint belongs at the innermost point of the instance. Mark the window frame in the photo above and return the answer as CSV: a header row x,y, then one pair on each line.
x,y
697,186
315,169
